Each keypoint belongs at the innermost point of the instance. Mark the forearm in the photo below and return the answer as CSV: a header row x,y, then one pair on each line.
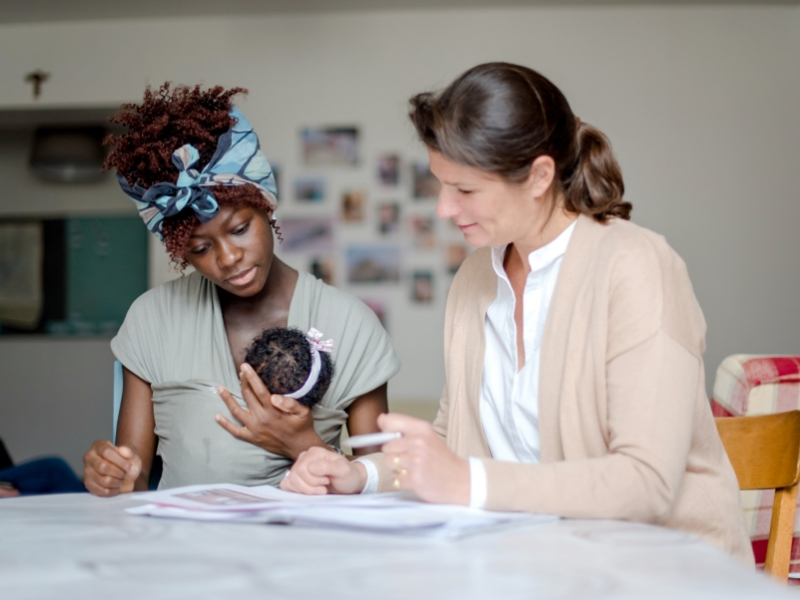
x,y
610,487
651,394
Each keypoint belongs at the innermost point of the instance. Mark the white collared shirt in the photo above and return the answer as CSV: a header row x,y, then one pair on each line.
x,y
509,399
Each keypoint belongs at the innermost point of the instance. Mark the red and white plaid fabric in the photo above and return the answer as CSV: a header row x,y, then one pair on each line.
x,y
749,385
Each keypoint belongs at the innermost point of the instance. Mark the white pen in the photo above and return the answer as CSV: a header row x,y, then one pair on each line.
x,y
372,439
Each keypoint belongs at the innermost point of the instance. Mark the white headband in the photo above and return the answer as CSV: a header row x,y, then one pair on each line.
x,y
313,336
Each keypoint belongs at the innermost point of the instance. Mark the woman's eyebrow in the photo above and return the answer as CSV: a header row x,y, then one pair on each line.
x,y
224,223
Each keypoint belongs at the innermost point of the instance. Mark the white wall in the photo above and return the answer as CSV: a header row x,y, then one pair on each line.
x,y
701,103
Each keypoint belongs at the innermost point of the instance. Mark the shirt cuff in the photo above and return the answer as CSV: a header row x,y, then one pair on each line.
x,y
477,483
371,485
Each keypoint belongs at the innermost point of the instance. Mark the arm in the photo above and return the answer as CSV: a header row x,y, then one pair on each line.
x,y
652,389
363,413
110,470
137,424
320,471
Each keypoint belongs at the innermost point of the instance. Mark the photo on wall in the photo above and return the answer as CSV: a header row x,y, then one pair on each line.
x,y
389,169
373,264
424,185
322,268
353,205
422,287
309,189
330,146
389,218
455,254
422,232
307,234
378,306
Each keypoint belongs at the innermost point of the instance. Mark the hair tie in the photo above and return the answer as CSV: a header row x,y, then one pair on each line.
x,y
238,160
314,338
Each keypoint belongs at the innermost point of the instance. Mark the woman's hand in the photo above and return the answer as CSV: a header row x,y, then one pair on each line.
x,y
272,422
109,470
423,463
320,471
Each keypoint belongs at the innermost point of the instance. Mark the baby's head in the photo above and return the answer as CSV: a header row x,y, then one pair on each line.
x,y
284,359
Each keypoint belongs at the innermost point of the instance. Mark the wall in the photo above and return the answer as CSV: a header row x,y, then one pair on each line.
x,y
701,104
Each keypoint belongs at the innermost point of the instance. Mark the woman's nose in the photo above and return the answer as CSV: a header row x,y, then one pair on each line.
x,y
447,206
229,255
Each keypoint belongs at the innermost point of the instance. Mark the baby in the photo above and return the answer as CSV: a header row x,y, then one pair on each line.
x,y
293,364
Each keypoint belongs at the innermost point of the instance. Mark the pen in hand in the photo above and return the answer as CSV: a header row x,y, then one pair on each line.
x,y
372,439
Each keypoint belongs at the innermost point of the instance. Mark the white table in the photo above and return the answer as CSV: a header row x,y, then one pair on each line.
x,y
79,546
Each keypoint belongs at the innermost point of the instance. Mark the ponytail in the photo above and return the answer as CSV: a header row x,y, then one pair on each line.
x,y
500,117
595,187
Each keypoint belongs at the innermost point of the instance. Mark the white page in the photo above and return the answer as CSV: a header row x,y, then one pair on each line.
x,y
233,497
390,513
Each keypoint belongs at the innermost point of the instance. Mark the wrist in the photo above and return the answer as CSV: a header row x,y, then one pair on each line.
x,y
462,490
305,441
360,478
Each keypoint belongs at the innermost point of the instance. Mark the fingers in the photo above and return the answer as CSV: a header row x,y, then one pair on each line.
x,y
289,406
293,483
240,433
136,463
299,480
237,411
253,389
108,452
106,467
98,490
329,466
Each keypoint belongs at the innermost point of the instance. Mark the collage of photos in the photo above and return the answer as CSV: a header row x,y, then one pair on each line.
x,y
394,203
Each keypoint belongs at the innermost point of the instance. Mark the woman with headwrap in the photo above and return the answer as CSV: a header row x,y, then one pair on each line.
x,y
192,164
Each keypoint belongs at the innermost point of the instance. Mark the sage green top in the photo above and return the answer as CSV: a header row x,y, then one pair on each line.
x,y
174,338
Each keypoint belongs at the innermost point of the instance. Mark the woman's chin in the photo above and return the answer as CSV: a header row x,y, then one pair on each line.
x,y
477,239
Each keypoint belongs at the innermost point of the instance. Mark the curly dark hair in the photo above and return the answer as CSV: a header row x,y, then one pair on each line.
x,y
282,358
168,118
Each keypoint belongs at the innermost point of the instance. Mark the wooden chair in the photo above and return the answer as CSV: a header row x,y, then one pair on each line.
x,y
765,454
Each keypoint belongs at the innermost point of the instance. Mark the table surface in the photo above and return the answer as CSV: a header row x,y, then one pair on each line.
x,y
79,546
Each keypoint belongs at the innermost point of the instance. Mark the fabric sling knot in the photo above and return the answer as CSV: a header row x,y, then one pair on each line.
x,y
314,338
238,160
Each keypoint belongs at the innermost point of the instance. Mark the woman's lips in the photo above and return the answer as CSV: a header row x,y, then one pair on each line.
x,y
465,227
243,278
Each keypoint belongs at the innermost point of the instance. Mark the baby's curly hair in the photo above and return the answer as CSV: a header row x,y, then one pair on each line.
x,y
282,358
168,118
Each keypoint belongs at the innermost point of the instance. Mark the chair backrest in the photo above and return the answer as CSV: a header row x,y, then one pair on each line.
x,y
117,399
765,454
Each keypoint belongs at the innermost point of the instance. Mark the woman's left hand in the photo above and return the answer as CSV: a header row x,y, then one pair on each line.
x,y
423,463
272,422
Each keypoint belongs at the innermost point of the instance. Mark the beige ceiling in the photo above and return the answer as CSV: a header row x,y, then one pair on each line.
x,y
33,11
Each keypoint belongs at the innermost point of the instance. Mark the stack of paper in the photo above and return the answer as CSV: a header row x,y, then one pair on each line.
x,y
396,513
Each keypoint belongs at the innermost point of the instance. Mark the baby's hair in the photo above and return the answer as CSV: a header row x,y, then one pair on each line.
x,y
282,359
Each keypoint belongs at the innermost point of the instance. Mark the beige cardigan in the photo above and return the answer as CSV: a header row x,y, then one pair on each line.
x,y
625,425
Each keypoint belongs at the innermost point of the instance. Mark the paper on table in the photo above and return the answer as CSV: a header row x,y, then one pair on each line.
x,y
232,497
395,513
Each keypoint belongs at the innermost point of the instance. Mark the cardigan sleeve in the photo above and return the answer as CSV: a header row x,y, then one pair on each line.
x,y
652,389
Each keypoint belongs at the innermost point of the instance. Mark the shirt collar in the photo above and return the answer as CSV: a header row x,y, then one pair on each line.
x,y
538,259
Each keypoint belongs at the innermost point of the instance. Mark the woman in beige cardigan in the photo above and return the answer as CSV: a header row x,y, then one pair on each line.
x,y
573,339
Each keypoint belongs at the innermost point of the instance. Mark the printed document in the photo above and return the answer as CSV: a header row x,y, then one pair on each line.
x,y
398,513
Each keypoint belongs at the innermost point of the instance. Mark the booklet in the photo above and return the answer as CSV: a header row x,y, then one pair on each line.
x,y
397,513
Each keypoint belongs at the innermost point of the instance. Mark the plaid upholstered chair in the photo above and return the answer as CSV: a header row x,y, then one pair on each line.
x,y
749,385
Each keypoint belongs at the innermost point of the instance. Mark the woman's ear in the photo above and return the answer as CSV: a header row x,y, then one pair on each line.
x,y
543,172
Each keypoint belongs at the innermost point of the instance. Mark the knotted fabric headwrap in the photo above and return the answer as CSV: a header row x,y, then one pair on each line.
x,y
238,160
314,338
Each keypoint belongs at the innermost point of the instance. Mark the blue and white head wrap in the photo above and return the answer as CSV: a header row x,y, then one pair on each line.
x,y
238,160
